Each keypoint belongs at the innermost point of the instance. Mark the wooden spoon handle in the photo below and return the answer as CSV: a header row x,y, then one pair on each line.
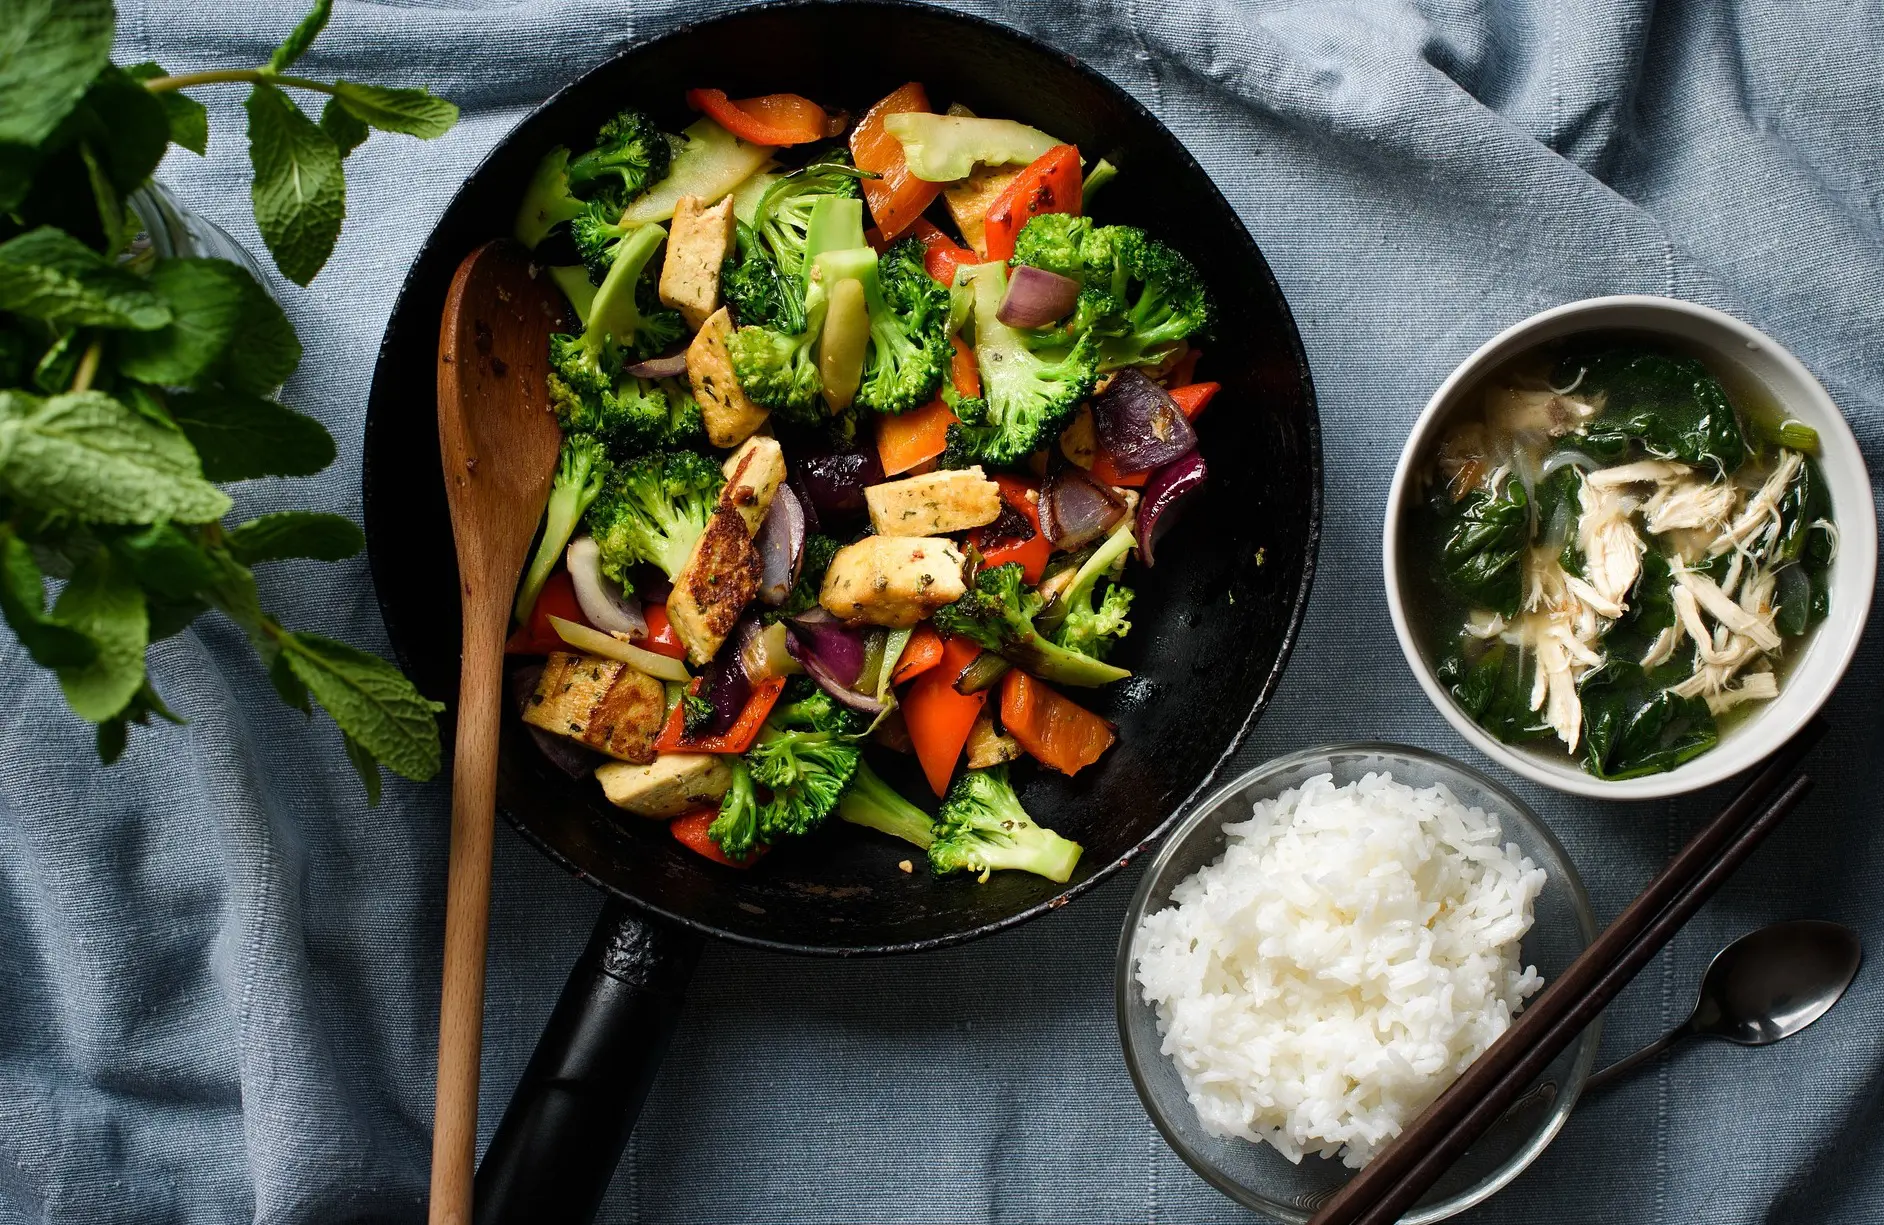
x,y
467,917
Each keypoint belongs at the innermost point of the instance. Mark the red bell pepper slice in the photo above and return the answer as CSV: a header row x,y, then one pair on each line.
x,y
1193,397
1051,184
1023,497
896,197
773,119
939,718
735,739
941,255
558,599
690,830
661,639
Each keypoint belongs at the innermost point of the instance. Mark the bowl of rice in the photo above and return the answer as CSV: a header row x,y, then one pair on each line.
x,y
1321,948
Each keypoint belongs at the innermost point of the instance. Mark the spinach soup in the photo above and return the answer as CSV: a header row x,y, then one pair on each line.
x,y
1614,556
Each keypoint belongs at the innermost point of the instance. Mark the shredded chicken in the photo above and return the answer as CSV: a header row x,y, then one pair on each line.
x,y
1689,504
1484,624
1756,687
1642,472
1663,648
1759,521
1721,606
1523,410
1612,548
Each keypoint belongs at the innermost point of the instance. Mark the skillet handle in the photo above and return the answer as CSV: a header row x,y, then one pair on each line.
x,y
556,1149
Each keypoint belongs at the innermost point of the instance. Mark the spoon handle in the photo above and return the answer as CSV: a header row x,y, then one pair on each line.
x,y
467,916
1624,1066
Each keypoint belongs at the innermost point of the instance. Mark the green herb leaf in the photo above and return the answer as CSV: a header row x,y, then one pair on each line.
x,y
415,112
124,124
56,367
207,298
92,457
301,37
240,436
371,701
23,601
1673,406
188,118
115,732
300,191
1633,726
365,766
264,350
49,52
346,129
1486,533
47,274
296,533
287,685
167,561
104,603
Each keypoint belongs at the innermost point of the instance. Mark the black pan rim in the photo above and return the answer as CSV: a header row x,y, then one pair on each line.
x,y
1311,545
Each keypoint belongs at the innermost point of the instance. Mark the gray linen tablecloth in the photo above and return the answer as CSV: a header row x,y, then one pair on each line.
x,y
218,968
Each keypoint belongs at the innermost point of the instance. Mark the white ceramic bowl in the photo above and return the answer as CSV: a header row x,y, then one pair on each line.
x,y
1733,344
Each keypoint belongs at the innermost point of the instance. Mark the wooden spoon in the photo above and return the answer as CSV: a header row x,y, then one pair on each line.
x,y
498,441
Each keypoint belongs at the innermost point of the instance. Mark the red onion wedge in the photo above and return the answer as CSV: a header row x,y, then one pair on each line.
x,y
673,366
726,687
1076,510
1036,297
607,607
1139,424
1166,495
781,545
833,655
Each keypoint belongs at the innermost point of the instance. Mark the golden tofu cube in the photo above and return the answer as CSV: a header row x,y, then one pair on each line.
x,y
603,703
730,417
698,241
987,744
719,579
893,581
671,785
933,504
753,474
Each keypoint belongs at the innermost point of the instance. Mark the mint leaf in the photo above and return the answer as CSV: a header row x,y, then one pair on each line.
x,y
104,603
240,437
371,701
299,192
92,457
234,593
123,123
47,274
365,766
296,533
207,299
415,112
301,37
115,732
23,601
188,118
287,685
168,561
49,52
345,128
264,350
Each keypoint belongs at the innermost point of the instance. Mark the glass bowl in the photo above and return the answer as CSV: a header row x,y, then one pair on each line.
x,y
1256,1175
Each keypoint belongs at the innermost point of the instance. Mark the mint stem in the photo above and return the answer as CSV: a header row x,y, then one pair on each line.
x,y
233,76
88,365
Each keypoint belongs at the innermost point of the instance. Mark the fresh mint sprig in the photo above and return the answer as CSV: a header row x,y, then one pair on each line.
x,y
130,386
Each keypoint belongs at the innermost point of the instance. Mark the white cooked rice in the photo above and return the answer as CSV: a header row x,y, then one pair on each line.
x,y
1351,952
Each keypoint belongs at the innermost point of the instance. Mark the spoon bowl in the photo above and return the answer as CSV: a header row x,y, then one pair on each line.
x,y
1772,983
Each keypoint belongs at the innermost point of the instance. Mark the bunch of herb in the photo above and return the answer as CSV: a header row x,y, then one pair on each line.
x,y
131,386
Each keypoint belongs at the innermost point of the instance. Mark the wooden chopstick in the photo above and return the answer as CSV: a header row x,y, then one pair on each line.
x,y
1405,1169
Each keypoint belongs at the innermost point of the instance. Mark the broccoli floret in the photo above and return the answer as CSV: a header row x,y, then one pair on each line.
x,y
1138,296
875,804
631,154
782,220
597,232
909,333
737,826
819,550
1080,622
982,827
695,713
546,201
804,758
780,371
581,470
584,368
1027,395
757,290
651,415
997,614
653,509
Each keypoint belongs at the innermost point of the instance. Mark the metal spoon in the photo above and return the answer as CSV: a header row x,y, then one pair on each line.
x,y
1765,986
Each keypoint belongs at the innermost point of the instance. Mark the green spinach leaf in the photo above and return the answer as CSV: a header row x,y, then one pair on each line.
x,y
1633,726
1672,406
1481,557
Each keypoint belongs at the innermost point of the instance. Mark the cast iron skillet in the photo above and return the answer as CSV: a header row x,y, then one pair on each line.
x,y
1212,626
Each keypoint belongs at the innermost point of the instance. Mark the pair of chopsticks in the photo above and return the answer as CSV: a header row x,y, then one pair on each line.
x,y
1402,1172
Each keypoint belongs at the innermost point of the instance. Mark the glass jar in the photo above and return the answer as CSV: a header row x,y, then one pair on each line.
x,y
171,231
